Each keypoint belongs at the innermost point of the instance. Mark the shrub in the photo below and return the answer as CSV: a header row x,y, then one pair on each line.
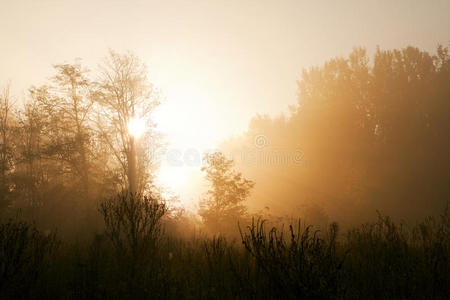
x,y
24,255
133,222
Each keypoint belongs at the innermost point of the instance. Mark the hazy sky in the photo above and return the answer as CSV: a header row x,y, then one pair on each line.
x,y
218,62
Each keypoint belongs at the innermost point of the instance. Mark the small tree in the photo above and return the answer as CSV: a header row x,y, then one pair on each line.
x,y
223,205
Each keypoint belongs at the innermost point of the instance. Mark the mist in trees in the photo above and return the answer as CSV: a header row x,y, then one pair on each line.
x,y
67,147
366,135
124,94
82,217
373,134
225,202
370,134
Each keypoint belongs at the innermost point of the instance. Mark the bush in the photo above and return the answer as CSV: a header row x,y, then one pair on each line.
x,y
133,226
25,253
133,223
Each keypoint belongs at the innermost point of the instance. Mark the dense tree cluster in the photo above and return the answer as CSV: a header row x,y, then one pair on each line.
x,y
364,136
66,147
373,134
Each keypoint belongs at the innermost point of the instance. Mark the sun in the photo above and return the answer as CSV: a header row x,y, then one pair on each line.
x,y
136,127
190,125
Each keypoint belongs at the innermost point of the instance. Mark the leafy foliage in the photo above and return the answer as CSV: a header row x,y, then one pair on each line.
x,y
373,134
224,204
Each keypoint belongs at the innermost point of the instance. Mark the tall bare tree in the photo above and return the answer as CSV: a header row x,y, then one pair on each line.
x,y
124,94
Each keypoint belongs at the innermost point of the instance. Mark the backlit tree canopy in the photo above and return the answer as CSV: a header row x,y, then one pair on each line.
x,y
374,134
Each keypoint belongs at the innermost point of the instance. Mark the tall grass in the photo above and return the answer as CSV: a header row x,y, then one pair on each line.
x,y
25,254
134,259
296,263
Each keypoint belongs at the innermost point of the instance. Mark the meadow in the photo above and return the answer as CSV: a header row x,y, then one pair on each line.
x,y
137,257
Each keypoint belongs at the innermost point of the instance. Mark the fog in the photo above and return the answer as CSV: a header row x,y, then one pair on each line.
x,y
238,149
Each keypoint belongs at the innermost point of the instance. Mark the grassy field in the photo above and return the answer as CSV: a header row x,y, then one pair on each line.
x,y
135,259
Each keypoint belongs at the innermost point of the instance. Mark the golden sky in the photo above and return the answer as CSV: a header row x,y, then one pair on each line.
x,y
218,62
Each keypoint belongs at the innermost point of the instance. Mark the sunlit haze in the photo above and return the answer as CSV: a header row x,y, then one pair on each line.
x,y
136,127
217,63
224,149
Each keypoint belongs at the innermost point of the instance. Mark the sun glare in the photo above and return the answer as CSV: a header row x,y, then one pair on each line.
x,y
190,126
136,127
181,181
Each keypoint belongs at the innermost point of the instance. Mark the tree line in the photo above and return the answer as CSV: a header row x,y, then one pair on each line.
x,y
372,134
68,145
